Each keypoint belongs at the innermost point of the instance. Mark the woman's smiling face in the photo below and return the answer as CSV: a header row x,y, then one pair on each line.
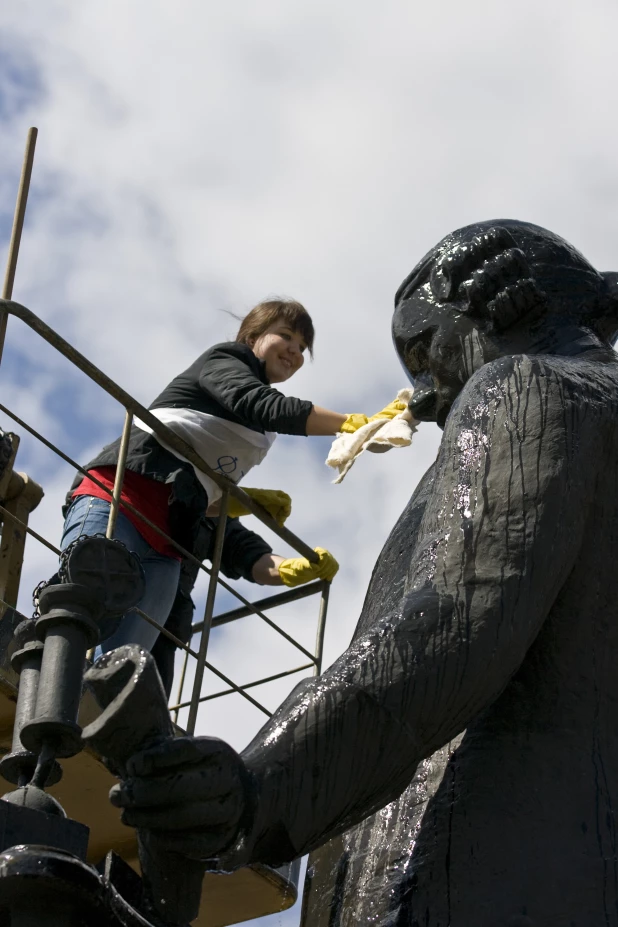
x,y
282,351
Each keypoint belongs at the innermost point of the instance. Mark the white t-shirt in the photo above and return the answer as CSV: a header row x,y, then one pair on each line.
x,y
226,447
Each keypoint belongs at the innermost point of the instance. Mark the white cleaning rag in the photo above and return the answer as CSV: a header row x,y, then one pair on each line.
x,y
378,436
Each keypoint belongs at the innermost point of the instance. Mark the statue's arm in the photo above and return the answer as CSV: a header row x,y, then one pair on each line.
x,y
500,533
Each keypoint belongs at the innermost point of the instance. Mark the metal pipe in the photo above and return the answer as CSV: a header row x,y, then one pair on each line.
x,y
18,224
29,668
28,689
68,626
119,477
60,690
208,611
18,765
181,685
271,601
319,639
247,685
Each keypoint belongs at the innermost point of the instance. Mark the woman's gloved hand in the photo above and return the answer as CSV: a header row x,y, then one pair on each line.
x,y
298,570
275,501
357,420
394,408
353,422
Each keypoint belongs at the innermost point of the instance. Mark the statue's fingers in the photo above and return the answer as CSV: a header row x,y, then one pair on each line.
x,y
206,782
175,751
190,816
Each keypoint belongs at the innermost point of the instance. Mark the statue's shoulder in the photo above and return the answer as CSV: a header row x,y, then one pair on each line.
x,y
521,386
497,377
500,382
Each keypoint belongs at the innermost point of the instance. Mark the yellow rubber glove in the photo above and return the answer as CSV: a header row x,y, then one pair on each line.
x,y
353,423
390,411
356,420
298,570
275,501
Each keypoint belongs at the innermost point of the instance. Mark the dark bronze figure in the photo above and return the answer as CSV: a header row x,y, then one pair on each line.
x,y
479,696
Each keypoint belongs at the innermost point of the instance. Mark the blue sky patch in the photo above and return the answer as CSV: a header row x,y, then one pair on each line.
x,y
21,85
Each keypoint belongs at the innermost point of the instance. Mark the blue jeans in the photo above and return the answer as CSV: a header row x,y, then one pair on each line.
x,y
88,515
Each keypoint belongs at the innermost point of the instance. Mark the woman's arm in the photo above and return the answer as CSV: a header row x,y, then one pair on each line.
x,y
324,422
266,570
227,376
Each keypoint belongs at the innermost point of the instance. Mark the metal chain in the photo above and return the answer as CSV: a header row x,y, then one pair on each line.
x,y
36,596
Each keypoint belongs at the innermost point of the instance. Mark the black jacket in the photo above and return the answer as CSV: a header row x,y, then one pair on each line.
x,y
228,381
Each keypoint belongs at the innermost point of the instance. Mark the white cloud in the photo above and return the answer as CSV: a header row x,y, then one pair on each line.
x,y
195,156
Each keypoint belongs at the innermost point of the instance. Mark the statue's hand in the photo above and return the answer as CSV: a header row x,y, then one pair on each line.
x,y
194,793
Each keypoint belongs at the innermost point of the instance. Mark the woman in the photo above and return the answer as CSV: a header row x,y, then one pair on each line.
x,y
225,407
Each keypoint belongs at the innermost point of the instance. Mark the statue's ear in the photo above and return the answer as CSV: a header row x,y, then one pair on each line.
x,y
608,322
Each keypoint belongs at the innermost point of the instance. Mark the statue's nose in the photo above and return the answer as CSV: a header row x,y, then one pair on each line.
x,y
423,403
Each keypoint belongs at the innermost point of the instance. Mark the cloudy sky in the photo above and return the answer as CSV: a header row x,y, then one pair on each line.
x,y
195,157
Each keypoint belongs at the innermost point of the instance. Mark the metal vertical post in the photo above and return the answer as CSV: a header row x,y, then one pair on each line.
x,y
210,605
319,640
117,491
181,684
18,224
119,478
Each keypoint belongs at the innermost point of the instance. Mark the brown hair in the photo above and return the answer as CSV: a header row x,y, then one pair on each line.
x,y
266,313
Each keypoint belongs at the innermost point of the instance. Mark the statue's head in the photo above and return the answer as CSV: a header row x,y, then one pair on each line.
x,y
489,290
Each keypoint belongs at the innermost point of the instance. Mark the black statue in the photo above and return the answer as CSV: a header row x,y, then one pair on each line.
x,y
490,614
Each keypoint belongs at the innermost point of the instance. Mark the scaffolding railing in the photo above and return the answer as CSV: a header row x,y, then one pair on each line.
x,y
133,410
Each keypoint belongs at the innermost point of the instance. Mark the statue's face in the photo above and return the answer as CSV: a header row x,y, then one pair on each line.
x,y
485,291
440,347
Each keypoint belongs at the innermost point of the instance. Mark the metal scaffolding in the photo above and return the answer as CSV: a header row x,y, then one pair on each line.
x,y
134,409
